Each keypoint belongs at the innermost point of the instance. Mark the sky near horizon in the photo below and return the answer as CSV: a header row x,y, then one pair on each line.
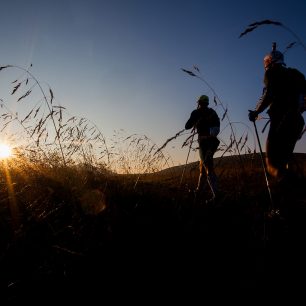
x,y
119,63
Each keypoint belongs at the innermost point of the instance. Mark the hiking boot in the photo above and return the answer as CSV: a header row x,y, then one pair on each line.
x,y
273,213
276,215
210,201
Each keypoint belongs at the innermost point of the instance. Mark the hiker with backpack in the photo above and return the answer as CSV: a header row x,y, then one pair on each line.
x,y
283,95
206,123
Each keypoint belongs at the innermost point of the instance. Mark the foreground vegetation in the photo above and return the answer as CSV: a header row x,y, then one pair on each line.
x,y
76,232
77,225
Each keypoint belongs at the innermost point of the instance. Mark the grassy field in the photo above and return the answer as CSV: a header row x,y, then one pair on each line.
x,y
76,226
72,233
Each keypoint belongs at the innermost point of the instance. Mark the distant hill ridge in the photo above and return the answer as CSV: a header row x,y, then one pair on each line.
x,y
231,161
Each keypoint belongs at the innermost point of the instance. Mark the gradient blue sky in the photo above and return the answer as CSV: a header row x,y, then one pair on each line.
x,y
118,63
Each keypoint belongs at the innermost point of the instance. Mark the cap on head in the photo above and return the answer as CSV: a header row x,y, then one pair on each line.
x,y
203,100
274,57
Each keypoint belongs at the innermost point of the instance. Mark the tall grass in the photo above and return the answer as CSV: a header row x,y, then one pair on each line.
x,y
66,208
233,144
251,27
195,72
255,25
43,131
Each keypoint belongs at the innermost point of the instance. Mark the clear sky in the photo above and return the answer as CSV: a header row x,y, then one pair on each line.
x,y
118,62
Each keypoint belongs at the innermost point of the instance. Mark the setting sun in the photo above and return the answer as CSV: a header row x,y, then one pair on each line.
x,y
5,151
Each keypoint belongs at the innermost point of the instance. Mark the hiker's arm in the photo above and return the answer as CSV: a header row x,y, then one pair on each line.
x,y
264,101
192,120
267,95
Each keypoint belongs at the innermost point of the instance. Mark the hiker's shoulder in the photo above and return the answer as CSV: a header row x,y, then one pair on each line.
x,y
195,112
295,72
211,111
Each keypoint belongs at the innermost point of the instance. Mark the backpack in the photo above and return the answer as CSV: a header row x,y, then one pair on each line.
x,y
302,102
299,84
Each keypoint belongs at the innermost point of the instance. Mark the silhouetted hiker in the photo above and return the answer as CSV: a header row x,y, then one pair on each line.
x,y
207,125
282,90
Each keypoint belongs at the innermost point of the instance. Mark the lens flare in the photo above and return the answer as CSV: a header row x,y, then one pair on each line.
x,y
5,151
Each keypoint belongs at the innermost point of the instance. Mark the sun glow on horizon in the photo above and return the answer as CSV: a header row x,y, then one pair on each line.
x,y
5,151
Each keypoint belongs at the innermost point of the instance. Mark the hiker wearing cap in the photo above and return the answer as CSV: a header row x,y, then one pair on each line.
x,y
281,95
206,123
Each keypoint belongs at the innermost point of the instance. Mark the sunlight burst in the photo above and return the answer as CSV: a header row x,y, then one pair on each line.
x,y
5,151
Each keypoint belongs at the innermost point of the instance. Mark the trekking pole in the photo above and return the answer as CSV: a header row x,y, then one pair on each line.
x,y
210,183
211,188
191,141
264,166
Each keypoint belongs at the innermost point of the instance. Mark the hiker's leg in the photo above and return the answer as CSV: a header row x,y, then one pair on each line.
x,y
291,134
210,171
201,175
280,145
202,154
275,160
281,142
